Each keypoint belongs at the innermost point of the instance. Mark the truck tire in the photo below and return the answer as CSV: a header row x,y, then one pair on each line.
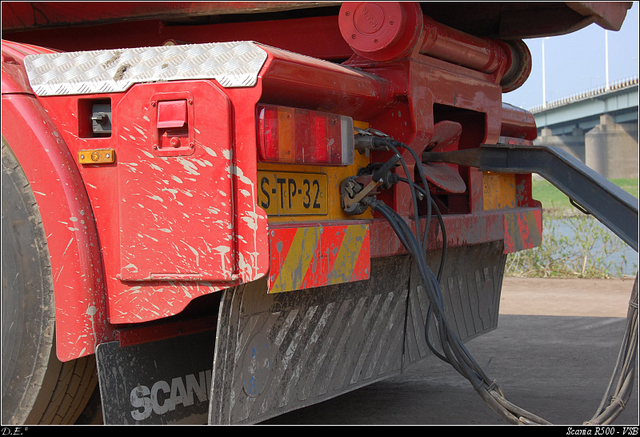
x,y
36,387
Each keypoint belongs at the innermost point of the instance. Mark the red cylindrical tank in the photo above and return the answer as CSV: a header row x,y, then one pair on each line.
x,y
382,31
388,31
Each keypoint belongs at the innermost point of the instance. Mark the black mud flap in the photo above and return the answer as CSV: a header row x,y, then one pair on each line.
x,y
162,382
279,352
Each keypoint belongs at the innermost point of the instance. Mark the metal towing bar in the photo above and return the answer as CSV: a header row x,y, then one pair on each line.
x,y
588,191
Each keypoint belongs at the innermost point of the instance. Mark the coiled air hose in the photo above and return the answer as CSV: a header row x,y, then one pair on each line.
x,y
621,383
452,349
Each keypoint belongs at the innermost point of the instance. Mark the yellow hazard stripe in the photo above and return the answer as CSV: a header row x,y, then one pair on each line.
x,y
298,260
348,254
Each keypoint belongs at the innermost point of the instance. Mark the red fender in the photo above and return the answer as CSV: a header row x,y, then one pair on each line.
x,y
67,217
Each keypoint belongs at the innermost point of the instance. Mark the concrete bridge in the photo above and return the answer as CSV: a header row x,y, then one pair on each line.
x,y
599,127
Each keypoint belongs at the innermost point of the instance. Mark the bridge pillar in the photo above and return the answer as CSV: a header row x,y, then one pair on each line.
x,y
574,143
611,148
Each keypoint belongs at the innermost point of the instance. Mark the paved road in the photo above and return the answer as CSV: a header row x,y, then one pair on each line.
x,y
552,354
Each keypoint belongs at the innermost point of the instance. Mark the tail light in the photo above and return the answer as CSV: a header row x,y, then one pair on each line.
x,y
300,136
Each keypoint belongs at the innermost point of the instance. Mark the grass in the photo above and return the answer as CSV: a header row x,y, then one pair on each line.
x,y
573,244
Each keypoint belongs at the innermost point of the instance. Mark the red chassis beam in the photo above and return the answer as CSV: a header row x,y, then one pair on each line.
x,y
19,15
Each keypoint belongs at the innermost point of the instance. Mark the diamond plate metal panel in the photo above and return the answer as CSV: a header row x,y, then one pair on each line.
x,y
232,64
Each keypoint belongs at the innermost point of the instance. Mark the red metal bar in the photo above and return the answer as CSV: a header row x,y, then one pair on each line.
x,y
320,84
446,43
23,15
327,42
518,123
520,228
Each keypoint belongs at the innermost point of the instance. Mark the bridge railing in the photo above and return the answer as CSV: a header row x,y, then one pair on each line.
x,y
593,92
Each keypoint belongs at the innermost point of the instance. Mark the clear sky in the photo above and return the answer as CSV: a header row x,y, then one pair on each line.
x,y
576,62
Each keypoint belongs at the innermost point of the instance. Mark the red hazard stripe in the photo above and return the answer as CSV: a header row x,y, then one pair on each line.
x,y
315,256
522,230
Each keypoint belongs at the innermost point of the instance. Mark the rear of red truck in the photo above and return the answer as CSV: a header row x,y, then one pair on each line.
x,y
219,212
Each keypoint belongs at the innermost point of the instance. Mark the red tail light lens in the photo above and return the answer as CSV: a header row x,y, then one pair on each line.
x,y
300,136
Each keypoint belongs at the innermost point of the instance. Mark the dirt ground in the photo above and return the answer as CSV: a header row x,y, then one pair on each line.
x,y
566,297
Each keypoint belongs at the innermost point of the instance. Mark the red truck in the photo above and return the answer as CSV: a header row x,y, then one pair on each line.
x,y
221,212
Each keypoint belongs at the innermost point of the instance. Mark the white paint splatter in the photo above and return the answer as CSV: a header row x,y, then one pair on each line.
x,y
210,151
195,252
238,172
154,197
66,248
189,167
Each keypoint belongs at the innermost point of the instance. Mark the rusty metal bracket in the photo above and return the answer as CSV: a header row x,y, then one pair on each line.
x,y
611,205
352,193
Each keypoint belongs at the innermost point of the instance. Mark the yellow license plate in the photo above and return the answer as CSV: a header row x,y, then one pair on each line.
x,y
283,193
